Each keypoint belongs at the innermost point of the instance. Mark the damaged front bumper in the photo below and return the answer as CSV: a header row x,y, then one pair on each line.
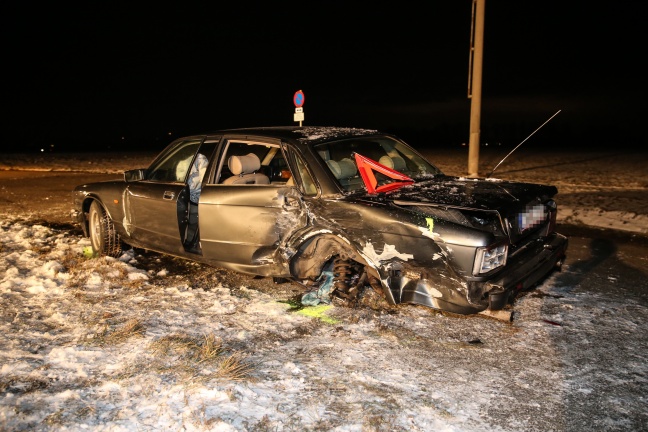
x,y
523,270
527,269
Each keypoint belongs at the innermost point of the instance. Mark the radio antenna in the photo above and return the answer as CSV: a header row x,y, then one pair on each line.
x,y
516,147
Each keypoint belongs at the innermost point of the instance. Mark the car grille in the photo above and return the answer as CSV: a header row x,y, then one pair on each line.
x,y
532,218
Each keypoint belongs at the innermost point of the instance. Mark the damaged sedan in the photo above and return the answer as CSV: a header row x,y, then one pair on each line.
x,y
296,203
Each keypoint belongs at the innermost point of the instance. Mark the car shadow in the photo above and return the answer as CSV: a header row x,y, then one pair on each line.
x,y
600,249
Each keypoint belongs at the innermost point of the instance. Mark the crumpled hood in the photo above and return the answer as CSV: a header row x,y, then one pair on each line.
x,y
483,194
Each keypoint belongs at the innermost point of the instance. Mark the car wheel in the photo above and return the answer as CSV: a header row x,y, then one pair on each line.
x,y
103,236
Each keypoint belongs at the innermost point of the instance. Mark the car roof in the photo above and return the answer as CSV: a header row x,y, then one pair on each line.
x,y
303,134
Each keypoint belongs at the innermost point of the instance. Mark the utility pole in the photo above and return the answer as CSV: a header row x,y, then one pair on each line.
x,y
475,83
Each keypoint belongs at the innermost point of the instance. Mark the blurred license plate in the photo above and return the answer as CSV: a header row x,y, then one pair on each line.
x,y
533,216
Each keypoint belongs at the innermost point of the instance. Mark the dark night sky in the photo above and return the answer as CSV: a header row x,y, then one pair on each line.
x,y
120,78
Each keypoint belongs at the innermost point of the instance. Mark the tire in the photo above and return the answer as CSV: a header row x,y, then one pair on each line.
x,y
104,238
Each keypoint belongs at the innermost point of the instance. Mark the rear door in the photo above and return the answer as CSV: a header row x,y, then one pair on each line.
x,y
245,225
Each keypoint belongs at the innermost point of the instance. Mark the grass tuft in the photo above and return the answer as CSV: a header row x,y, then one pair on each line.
x,y
20,385
131,328
201,358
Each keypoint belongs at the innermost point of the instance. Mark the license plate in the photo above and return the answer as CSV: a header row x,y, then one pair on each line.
x,y
532,217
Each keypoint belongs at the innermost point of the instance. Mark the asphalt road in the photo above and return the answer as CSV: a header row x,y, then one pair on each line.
x,y
43,195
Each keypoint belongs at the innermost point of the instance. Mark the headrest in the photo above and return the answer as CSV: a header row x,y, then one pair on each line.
x,y
342,169
396,163
244,164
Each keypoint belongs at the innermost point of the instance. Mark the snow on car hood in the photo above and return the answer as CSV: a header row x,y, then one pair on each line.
x,y
483,194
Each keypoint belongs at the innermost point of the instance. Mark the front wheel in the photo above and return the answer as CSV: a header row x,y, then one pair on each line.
x,y
104,238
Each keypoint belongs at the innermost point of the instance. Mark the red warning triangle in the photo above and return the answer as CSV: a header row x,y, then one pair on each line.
x,y
366,168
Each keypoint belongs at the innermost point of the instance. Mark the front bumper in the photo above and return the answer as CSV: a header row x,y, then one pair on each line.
x,y
526,270
522,271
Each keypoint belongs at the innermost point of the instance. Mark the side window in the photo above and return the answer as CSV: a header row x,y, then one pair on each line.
x,y
247,163
275,167
241,152
173,166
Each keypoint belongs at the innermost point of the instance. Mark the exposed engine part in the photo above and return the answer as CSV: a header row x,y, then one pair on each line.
x,y
349,279
376,285
342,272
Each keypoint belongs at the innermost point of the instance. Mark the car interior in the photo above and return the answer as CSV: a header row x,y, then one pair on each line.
x,y
253,164
244,170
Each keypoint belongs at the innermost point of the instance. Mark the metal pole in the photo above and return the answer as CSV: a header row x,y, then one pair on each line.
x,y
477,51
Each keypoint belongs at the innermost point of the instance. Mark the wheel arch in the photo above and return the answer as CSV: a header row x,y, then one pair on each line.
x,y
315,250
85,210
318,249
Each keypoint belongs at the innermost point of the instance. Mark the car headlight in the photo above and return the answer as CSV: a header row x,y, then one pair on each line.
x,y
489,258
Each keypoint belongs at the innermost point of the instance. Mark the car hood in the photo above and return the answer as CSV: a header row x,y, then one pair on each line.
x,y
481,194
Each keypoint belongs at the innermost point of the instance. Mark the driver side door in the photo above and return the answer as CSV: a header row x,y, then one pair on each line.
x,y
156,205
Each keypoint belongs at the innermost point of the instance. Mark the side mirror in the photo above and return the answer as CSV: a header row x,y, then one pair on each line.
x,y
134,175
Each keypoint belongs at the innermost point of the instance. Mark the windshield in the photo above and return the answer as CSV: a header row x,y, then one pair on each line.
x,y
386,151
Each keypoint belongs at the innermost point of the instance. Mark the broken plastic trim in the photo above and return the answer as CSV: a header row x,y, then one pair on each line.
x,y
366,168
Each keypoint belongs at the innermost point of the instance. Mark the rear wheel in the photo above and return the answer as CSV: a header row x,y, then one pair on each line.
x,y
103,236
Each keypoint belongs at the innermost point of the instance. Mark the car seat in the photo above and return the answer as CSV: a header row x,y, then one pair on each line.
x,y
395,162
342,169
244,169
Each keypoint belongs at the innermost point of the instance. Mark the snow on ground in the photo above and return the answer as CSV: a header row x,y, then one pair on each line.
x,y
145,343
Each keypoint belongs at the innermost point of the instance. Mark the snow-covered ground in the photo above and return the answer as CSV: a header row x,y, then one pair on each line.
x,y
146,342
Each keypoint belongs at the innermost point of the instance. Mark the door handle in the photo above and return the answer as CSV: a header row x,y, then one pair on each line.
x,y
168,195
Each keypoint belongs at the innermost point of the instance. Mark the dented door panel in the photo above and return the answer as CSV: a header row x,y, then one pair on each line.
x,y
245,225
